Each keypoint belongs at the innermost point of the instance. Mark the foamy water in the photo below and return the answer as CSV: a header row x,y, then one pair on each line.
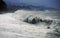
x,y
12,25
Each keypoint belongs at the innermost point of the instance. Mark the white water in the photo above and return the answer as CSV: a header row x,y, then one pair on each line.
x,y
12,25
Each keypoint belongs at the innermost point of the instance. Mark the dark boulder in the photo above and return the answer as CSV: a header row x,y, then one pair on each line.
x,y
32,20
3,5
35,19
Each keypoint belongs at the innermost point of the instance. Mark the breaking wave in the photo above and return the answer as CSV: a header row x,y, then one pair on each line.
x,y
30,24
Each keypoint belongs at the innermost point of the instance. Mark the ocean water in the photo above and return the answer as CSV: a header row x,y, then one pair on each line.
x,y
44,3
12,24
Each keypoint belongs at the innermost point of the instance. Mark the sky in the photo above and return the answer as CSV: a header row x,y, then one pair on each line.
x,y
45,3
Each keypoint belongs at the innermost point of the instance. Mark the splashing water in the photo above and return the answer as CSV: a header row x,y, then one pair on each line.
x,y
13,26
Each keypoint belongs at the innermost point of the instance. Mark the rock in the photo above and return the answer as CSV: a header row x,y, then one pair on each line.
x,y
32,20
35,19
48,21
41,20
48,27
3,5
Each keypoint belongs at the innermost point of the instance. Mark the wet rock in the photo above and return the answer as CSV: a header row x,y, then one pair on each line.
x,y
35,19
32,20
48,21
3,5
48,27
40,20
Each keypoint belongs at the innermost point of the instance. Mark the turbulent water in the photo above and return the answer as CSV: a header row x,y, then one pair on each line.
x,y
12,25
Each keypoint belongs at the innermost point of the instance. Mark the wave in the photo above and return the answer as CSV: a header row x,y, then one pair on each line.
x,y
20,24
